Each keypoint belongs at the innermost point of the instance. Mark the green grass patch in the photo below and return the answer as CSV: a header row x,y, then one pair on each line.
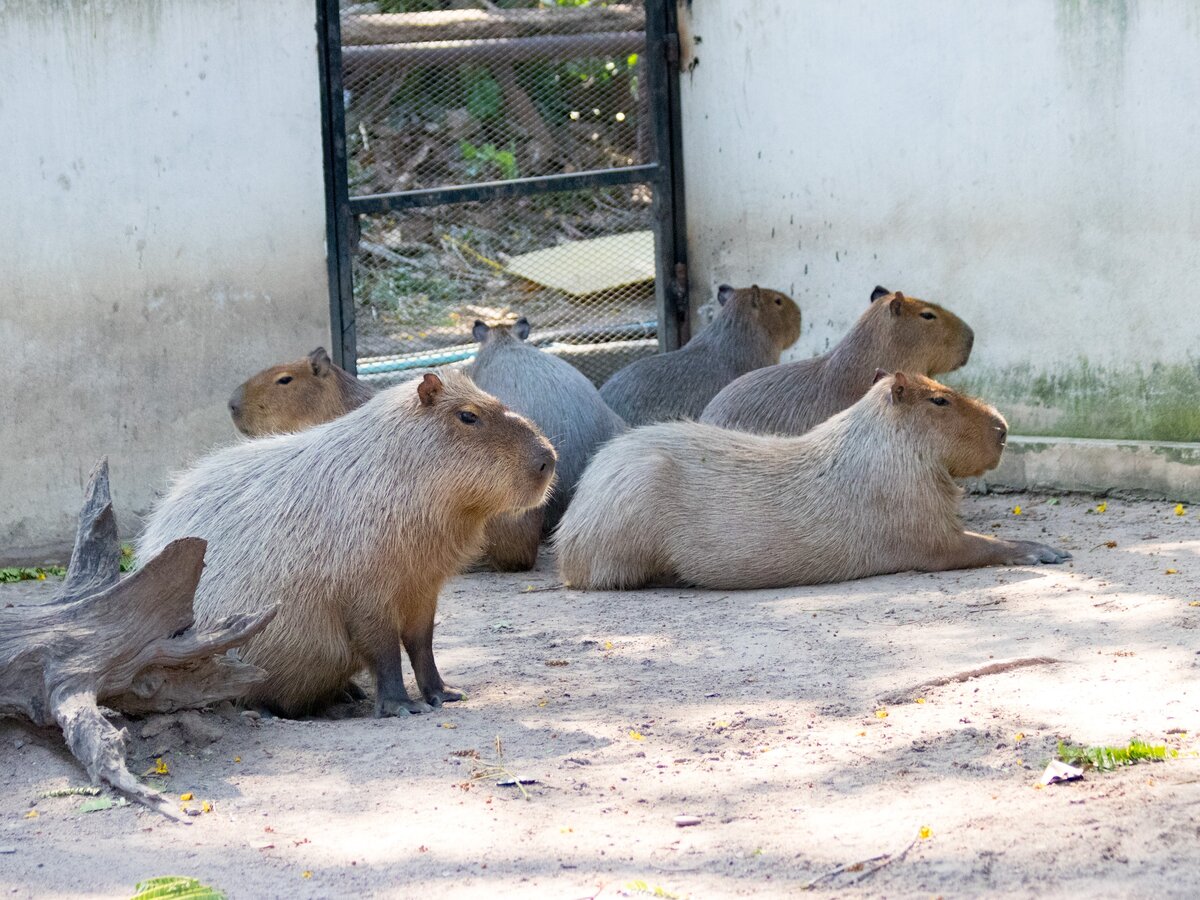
x,y
1108,758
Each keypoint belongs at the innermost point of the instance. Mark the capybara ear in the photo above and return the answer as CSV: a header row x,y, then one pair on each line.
x,y
521,328
724,294
429,389
320,361
880,374
899,383
897,304
879,291
480,330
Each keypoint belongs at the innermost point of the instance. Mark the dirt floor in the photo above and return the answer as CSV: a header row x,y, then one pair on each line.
x,y
791,723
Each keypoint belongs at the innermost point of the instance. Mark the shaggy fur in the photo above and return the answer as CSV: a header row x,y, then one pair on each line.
x,y
351,527
295,396
896,333
751,329
867,492
564,404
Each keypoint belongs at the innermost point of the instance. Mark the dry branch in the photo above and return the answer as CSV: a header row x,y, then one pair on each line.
x,y
127,644
991,669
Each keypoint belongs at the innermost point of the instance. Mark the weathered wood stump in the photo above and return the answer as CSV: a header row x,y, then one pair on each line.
x,y
128,644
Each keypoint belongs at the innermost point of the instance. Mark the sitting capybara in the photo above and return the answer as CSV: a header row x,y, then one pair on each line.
x,y
867,492
561,401
351,527
752,327
296,395
896,333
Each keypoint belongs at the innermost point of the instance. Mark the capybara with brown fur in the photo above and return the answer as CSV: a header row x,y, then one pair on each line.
x,y
561,401
896,333
752,327
296,395
351,527
868,492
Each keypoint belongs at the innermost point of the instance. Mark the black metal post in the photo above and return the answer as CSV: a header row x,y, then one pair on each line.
x,y
339,219
662,75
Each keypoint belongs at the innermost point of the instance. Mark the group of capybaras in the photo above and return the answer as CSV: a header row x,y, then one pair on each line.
x,y
714,465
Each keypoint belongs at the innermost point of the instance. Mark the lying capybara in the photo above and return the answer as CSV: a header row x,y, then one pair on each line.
x,y
752,327
561,401
296,395
867,492
351,527
896,333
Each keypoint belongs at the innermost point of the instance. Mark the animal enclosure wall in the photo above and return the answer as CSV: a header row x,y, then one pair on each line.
x,y
1031,165
161,238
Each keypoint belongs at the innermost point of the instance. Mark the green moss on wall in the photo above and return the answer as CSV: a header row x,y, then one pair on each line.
x,y
1158,403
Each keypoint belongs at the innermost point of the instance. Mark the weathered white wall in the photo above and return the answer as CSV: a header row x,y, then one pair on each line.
x,y
161,237
1032,164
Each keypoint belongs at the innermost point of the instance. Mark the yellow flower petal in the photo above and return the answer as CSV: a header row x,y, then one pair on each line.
x,y
1179,509
637,735
306,874
160,767
1172,572
447,725
881,713
32,814
237,759
1019,736
608,645
187,796
206,806
1102,507
1016,510
925,833
919,700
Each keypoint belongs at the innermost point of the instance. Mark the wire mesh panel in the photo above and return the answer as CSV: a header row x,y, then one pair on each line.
x,y
438,99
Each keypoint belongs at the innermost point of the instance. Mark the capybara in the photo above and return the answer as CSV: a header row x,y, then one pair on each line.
x,y
296,395
896,333
561,401
752,327
351,527
867,492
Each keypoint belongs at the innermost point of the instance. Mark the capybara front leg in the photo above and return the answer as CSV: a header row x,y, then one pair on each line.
x,y
391,696
977,550
419,642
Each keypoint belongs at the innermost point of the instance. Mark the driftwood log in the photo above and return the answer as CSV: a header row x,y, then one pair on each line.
x,y
125,644
489,24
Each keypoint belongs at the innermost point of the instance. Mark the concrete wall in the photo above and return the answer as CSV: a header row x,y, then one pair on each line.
x,y
1030,164
161,238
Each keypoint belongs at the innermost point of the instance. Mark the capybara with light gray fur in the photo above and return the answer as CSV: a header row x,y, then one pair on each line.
x,y
752,327
351,527
296,395
868,492
896,333
561,401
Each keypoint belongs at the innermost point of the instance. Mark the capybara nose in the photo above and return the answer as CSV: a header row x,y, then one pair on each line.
x,y
235,401
970,340
1002,433
544,460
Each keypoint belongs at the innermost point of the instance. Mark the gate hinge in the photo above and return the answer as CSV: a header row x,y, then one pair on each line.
x,y
679,291
671,46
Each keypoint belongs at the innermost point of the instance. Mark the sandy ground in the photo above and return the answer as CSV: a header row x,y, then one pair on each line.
x,y
760,713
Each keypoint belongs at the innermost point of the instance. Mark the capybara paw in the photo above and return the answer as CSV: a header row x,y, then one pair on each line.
x,y
385,708
445,695
1030,553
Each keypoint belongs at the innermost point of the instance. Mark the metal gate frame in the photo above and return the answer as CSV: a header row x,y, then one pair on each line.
x,y
665,174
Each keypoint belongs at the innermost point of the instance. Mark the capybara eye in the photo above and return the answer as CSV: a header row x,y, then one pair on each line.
x,y
928,315
467,417
939,401
284,379
779,301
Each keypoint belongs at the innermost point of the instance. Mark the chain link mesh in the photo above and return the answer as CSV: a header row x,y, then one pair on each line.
x,y
444,97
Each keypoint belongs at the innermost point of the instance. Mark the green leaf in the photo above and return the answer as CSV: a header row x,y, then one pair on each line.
x,y
485,97
175,886
101,803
